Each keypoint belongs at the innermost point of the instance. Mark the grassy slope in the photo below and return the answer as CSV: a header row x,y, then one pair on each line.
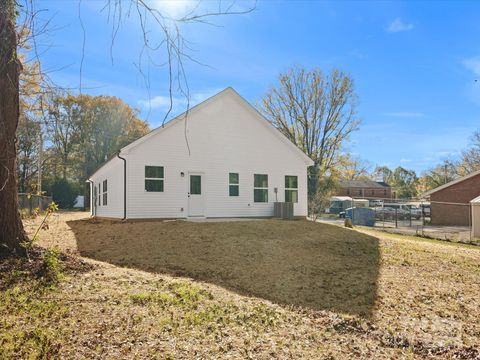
x,y
426,304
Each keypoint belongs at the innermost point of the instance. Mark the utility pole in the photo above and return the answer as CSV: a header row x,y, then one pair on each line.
x,y
40,160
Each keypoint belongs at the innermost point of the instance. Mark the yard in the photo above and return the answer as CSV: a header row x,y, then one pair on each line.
x,y
247,289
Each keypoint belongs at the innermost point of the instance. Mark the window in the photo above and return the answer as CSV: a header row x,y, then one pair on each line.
x,y
95,195
233,184
260,188
195,184
291,189
373,192
99,194
104,192
348,191
154,178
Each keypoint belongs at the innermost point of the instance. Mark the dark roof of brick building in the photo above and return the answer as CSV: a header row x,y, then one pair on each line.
x,y
362,184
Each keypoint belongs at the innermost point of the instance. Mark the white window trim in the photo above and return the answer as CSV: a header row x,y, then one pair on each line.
x,y
150,178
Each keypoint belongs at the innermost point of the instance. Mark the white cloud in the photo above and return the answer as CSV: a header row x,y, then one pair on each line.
x,y
404,114
405,160
473,64
179,103
398,25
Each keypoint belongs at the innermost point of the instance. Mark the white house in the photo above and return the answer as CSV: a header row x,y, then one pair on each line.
x,y
220,159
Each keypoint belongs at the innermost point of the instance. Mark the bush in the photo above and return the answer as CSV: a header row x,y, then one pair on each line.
x,y
64,193
52,266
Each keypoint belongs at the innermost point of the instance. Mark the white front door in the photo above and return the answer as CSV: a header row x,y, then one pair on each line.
x,y
196,200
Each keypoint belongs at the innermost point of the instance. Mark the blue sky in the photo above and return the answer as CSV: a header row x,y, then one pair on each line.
x,y
414,64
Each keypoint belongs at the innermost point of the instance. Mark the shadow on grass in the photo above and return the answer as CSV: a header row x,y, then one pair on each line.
x,y
301,263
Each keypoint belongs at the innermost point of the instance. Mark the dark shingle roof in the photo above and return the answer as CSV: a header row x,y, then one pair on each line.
x,y
362,184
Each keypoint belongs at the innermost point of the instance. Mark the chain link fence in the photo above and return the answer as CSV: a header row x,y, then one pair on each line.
x,y
408,217
28,202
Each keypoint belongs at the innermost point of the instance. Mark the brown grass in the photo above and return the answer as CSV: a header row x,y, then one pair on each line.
x,y
289,262
424,302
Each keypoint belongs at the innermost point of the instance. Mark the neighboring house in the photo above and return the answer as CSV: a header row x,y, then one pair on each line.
x,y
368,189
221,159
450,203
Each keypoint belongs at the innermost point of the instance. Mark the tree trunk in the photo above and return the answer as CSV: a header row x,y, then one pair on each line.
x,y
12,233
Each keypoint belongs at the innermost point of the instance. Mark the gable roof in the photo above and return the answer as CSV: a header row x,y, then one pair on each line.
x,y
362,184
179,118
228,90
453,182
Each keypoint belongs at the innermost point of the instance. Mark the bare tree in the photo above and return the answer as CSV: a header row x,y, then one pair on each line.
x,y
470,160
317,112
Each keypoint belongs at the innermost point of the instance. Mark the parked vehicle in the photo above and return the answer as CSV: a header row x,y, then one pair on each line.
x,y
416,212
376,203
384,213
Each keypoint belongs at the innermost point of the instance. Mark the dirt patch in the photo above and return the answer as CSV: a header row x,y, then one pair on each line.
x,y
298,263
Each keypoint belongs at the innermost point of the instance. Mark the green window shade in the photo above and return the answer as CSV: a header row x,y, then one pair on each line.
x,y
260,195
291,196
233,178
234,191
154,172
260,181
154,178
234,181
291,189
195,184
153,185
291,182
260,188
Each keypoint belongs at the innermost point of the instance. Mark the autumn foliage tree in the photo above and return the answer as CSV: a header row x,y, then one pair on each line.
x,y
85,130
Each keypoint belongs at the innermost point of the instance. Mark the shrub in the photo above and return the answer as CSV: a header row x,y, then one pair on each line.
x,y
52,266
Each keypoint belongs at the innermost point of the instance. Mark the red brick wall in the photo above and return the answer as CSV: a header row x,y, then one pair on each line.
x,y
374,193
462,192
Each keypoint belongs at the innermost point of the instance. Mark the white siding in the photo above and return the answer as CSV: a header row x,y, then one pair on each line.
x,y
113,173
224,136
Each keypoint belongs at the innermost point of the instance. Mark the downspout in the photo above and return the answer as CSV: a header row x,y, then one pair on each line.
x,y
124,185
93,208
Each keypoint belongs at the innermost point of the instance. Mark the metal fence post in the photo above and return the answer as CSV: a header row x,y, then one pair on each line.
x,y
396,218
410,215
383,213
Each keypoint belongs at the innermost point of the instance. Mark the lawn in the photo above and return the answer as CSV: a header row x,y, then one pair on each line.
x,y
253,289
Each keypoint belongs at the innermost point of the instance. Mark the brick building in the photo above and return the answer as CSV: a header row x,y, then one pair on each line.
x,y
450,203
368,189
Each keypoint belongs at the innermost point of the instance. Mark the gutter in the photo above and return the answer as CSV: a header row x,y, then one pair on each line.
x,y
124,185
92,200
